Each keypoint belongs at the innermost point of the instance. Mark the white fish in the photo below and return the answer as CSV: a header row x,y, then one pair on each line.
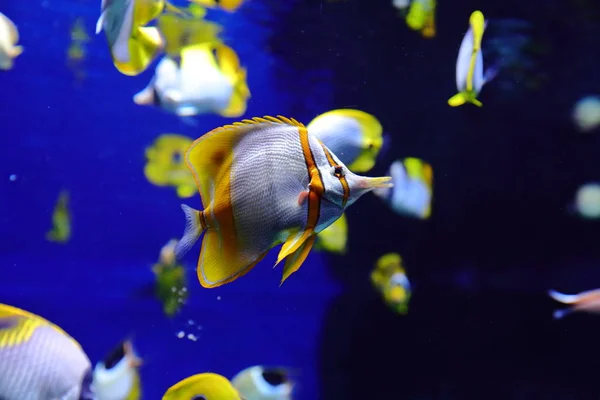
x,y
9,37
116,377
260,383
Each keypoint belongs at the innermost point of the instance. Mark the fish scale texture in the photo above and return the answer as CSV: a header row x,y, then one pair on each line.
x,y
48,366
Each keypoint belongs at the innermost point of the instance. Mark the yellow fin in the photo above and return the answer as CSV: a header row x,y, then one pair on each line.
x,y
293,243
334,238
181,32
295,260
146,11
212,386
457,100
477,22
143,47
229,64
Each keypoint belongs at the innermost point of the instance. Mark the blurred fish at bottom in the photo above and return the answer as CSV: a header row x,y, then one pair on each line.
x,y
412,192
116,377
206,78
206,386
77,51
40,361
587,201
171,281
587,302
470,76
421,17
263,383
586,114
61,220
334,238
165,164
354,136
389,278
9,37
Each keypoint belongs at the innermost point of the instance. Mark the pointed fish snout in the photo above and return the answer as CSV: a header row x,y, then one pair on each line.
x,y
376,183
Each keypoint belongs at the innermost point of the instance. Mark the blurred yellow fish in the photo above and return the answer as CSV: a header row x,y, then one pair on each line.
x,y
227,5
389,278
165,165
9,37
171,281
207,79
334,238
587,302
116,377
180,32
76,52
261,383
251,204
38,360
355,136
470,77
413,188
207,386
133,45
61,220
421,17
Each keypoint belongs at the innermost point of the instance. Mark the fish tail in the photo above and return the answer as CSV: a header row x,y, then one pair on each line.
x,y
194,226
563,298
16,51
457,100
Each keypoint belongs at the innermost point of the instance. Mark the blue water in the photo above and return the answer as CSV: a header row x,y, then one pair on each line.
x,y
89,137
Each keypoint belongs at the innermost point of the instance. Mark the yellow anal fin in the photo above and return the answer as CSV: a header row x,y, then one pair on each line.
x,y
295,260
293,243
461,98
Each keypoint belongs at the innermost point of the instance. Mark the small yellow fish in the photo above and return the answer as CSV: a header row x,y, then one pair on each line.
x,y
261,383
587,302
165,165
334,238
207,386
61,220
421,17
77,51
470,77
354,135
389,278
171,280
116,377
9,37
38,360
251,204
227,5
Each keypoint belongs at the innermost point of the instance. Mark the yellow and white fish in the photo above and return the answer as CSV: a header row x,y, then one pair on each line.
x,y
207,386
9,37
470,77
587,201
264,182
133,45
116,377
334,238
353,135
40,361
412,192
421,17
181,31
227,5
61,220
389,278
587,302
208,79
261,383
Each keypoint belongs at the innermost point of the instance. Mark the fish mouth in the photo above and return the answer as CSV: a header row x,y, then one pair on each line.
x,y
376,183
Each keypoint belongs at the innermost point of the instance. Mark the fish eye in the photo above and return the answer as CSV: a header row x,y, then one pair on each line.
x,y
199,397
338,171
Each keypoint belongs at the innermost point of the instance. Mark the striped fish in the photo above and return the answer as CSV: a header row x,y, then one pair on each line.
x,y
40,361
264,182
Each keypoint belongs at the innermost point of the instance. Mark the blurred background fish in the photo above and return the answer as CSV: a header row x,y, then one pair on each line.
x,y
334,238
207,386
116,377
77,51
9,37
171,281
61,220
264,383
588,301
389,279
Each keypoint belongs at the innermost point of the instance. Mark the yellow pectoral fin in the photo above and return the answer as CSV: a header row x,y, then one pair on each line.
x,y
457,100
144,46
292,244
294,261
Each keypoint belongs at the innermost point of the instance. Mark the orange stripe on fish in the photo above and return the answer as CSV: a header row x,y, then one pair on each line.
x,y
342,178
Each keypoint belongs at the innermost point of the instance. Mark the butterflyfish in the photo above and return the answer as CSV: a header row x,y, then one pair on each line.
x,y
389,278
9,37
165,165
262,383
171,280
116,377
180,32
264,182
586,114
587,201
587,302
412,192
207,78
227,5
334,238
133,45
353,135
470,77
207,386
421,17
61,220
40,361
